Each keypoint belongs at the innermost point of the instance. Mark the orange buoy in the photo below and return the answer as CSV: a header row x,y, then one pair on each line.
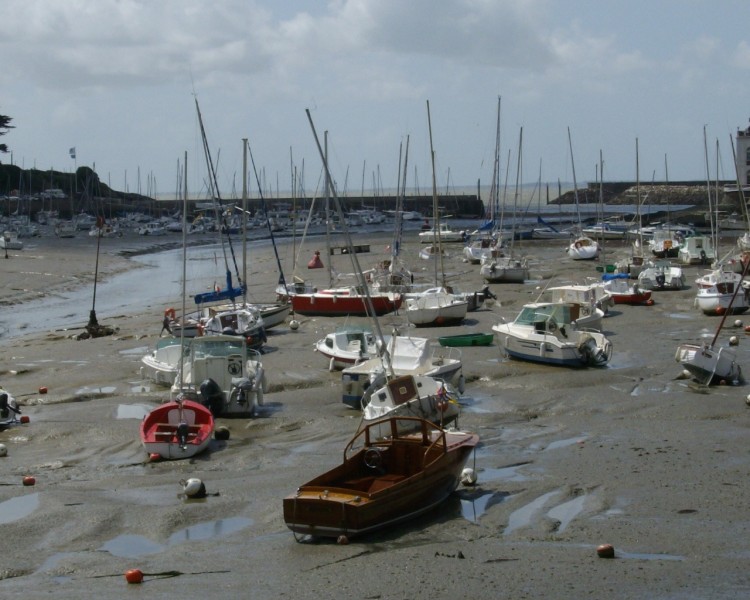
x,y
134,576
25,419
154,457
29,480
43,389
605,551
315,262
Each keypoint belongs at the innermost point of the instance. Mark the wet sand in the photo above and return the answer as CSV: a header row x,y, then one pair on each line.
x,y
631,455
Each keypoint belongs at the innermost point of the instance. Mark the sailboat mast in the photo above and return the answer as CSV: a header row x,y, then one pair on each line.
x,y
244,219
184,277
352,255
328,210
435,209
575,183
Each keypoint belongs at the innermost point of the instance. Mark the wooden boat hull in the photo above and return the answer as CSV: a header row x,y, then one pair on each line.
x,y
468,339
416,473
161,429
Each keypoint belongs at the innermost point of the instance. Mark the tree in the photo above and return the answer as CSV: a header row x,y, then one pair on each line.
x,y
5,124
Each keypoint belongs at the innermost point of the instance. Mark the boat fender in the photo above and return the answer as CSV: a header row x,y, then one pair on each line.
x,y
461,384
170,313
331,366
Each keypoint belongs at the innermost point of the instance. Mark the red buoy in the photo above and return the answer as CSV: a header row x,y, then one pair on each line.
x,y
43,389
134,576
25,419
154,457
605,551
315,262
29,480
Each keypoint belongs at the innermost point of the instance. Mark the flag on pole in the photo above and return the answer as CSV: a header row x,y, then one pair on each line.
x,y
73,152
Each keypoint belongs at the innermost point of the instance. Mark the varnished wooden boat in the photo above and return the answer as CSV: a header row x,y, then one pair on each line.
x,y
387,476
467,339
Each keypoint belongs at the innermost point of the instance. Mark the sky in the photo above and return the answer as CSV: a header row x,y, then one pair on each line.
x,y
118,81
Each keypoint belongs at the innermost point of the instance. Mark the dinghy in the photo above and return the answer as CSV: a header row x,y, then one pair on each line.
x,y
177,429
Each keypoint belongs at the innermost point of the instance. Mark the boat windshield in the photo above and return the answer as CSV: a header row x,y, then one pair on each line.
x,y
536,314
207,347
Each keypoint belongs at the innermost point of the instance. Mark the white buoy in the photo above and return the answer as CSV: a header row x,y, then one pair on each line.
x,y
734,340
194,488
738,323
468,476
3,450
294,324
747,399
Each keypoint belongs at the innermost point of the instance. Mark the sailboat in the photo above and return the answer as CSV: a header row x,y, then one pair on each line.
x,y
708,363
582,247
220,371
440,307
339,301
499,265
180,428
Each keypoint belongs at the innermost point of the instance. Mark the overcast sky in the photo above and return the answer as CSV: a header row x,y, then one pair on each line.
x,y
117,80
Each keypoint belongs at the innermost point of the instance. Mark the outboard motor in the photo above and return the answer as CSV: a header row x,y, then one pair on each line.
x,y
241,391
488,293
212,397
182,434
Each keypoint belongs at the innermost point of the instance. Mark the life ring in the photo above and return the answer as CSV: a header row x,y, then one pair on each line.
x,y
170,312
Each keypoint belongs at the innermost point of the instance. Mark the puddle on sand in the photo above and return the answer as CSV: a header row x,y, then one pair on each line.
x,y
564,443
131,546
134,546
104,390
475,505
133,411
16,509
503,473
140,351
212,529
567,511
522,516
647,556
680,316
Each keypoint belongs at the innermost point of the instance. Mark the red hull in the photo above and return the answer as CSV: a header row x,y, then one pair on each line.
x,y
339,305
633,299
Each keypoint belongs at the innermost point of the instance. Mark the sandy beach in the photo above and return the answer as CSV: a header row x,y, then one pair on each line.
x,y
631,455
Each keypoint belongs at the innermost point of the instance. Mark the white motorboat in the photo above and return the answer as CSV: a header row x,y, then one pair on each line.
x,y
697,250
729,294
478,248
499,268
152,228
223,374
410,396
347,345
593,301
583,248
546,333
436,309
406,356
443,234
162,363
10,241
661,275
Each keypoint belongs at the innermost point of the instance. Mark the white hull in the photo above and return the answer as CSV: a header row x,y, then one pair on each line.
x,y
583,248
707,364
436,309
